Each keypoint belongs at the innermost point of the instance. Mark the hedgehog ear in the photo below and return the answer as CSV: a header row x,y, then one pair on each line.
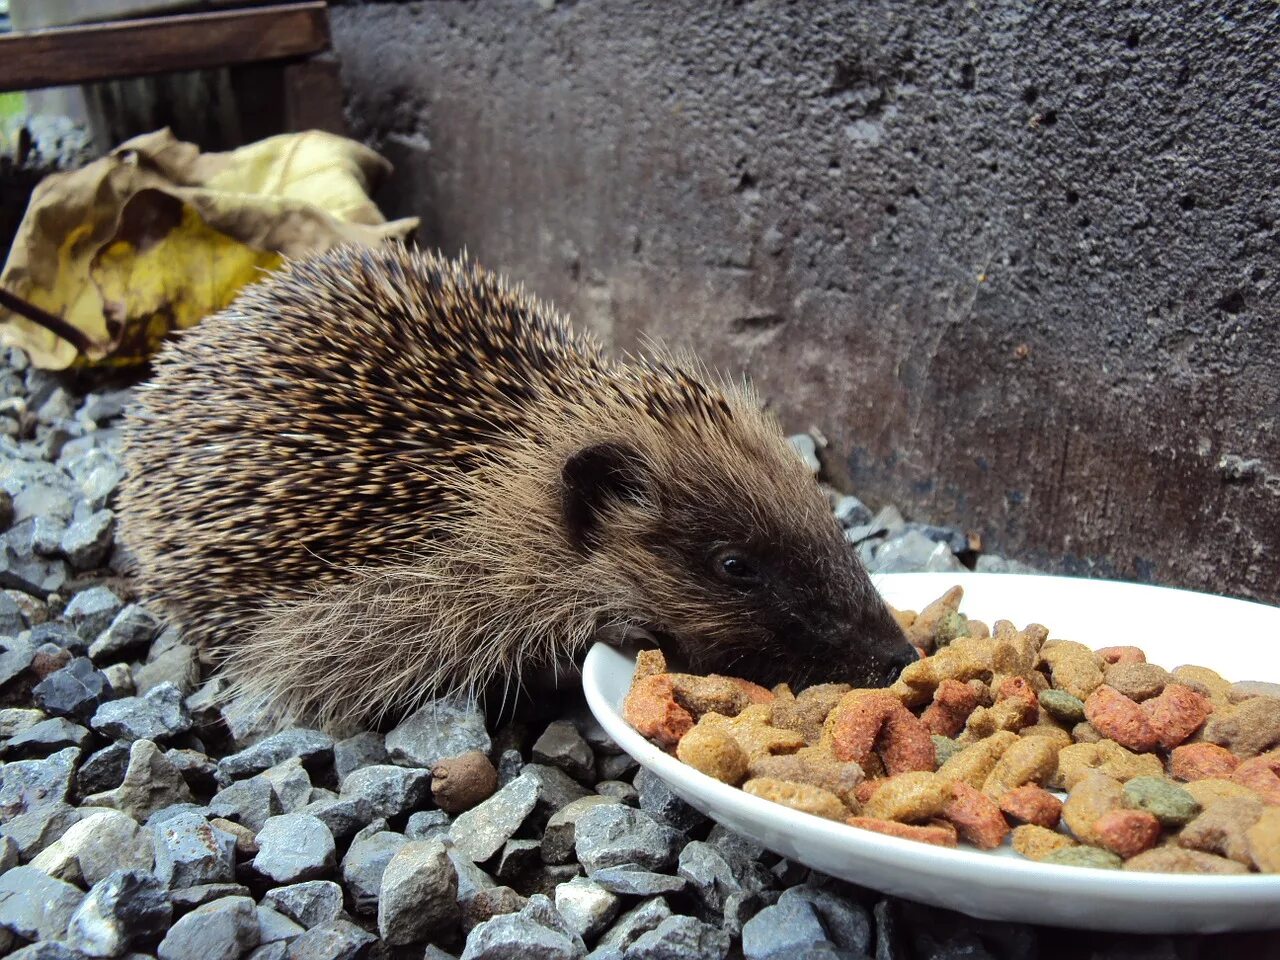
x,y
591,478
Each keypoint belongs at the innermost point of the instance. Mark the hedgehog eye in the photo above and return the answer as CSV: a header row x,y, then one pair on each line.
x,y
733,566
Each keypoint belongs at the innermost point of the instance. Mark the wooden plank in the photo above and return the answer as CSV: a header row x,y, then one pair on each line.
x,y
131,48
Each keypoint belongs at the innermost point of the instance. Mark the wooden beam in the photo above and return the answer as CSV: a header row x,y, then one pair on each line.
x,y
132,48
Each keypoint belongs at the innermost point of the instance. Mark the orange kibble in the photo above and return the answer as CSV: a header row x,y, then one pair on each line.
x,y
651,708
938,834
976,817
953,701
1118,718
1127,832
879,722
1176,713
1261,775
1032,804
1112,656
1200,761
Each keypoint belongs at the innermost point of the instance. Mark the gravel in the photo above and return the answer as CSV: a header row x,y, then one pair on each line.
x,y
309,746
309,904
364,864
293,848
122,907
157,715
443,728
189,851
481,831
388,790
222,930
36,906
76,691
611,834
419,894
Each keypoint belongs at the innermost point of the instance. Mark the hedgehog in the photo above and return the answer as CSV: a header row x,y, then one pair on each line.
x,y
381,476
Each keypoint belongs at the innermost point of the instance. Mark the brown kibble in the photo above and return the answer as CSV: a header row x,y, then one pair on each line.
x,y
1263,839
866,790
1127,833
962,660
714,752
1214,790
1206,682
1019,688
1118,718
1199,761
1137,681
459,783
975,762
1011,714
1086,732
1036,843
1072,667
754,732
976,817
1111,656
1248,689
1176,714
804,797
1032,804
909,797
815,766
1105,756
806,713
1261,775
923,630
880,722
726,696
1173,859
953,701
648,664
940,835
1251,728
1030,760
1088,800
1050,731
1221,829
651,708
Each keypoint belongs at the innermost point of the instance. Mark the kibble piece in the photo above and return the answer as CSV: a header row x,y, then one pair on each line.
x,y
959,661
1170,803
953,701
651,708
923,631
909,797
1261,775
944,749
1062,706
1033,805
1251,728
1088,800
1037,843
1073,668
1127,833
1247,689
1222,828
1030,760
1085,732
1050,731
938,834
714,752
1206,682
1112,656
1215,789
649,663
754,732
1118,718
806,713
804,797
1199,761
1105,756
1137,680
1094,857
976,817
975,762
816,766
1263,839
880,722
1176,714
1180,860
459,783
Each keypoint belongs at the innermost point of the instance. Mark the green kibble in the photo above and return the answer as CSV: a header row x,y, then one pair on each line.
x,y
1094,857
1172,806
954,624
946,748
1062,706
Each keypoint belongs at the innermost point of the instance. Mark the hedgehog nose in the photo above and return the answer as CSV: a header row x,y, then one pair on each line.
x,y
900,660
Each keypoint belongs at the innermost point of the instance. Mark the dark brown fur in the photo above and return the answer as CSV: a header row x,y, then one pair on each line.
x,y
380,475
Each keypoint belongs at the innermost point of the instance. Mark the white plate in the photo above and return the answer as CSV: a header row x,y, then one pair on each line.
x,y
1239,639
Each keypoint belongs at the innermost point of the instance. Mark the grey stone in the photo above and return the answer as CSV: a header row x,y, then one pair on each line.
x,y
741,852
851,512
680,938
559,834
586,906
27,785
158,715
562,746
77,690
12,622
189,851
8,853
612,834
47,736
188,898
419,894
619,790
440,729
378,825
291,783
122,907
15,656
278,950
518,857
342,815
556,790
293,848
536,932
100,483
657,800
85,542
35,906
486,903
46,535
178,665
310,904
807,448
151,782
96,846
711,875
274,927
362,750
120,679
779,931
847,924
33,831
202,774
249,802
45,950
390,790
631,880
133,627
510,765
363,865
310,746
92,611
222,930
14,720
615,767
335,940
52,631
912,551
21,569
165,814
639,920
480,832
101,407
203,704
427,825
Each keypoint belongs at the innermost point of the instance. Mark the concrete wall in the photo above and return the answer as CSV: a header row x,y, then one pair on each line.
x,y
1021,266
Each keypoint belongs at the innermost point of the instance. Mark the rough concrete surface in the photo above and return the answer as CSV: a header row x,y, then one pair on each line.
x,y
1019,264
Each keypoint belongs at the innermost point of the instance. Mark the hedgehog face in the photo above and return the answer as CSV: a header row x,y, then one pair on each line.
x,y
728,576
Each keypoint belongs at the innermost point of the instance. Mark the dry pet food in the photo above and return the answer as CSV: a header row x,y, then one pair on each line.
x,y
1001,735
